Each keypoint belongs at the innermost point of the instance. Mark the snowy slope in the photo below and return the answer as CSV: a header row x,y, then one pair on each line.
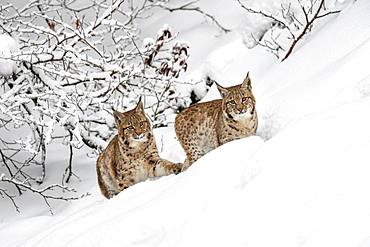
x,y
302,182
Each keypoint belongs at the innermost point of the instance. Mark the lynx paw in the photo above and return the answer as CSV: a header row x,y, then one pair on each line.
x,y
177,168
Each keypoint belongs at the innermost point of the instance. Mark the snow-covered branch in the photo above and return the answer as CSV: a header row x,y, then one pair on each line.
x,y
67,71
46,193
189,6
288,25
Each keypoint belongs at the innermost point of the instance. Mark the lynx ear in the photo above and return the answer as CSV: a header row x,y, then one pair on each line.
x,y
247,84
118,116
223,91
140,106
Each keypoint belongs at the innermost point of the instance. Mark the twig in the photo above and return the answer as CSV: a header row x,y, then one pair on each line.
x,y
68,170
269,16
309,20
4,194
3,157
309,23
43,192
188,7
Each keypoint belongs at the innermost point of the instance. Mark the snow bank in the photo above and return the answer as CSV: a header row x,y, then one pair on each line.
x,y
175,206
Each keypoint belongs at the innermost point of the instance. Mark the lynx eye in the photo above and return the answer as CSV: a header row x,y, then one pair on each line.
x,y
232,102
143,124
244,99
130,128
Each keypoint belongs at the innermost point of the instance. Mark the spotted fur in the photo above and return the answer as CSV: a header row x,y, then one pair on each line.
x,y
132,155
203,127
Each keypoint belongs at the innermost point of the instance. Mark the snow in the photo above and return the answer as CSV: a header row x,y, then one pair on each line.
x,y
8,47
302,181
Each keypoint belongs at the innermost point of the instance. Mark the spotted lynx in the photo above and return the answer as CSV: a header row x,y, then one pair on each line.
x,y
132,155
203,127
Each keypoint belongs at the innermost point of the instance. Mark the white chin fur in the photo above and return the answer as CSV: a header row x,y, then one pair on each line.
x,y
140,139
245,115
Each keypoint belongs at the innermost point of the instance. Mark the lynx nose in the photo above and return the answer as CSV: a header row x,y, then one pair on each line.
x,y
140,136
242,111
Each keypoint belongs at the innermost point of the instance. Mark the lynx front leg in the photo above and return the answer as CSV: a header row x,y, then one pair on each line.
x,y
165,167
106,183
124,184
186,165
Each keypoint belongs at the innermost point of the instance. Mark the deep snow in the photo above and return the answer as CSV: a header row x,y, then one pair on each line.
x,y
303,181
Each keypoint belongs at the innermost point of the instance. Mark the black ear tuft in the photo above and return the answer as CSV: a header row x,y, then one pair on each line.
x,y
140,106
223,91
247,84
118,116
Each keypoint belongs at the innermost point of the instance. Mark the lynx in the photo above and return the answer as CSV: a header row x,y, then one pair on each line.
x,y
132,155
203,127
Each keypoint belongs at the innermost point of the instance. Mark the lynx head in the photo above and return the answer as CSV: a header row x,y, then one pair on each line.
x,y
133,126
238,101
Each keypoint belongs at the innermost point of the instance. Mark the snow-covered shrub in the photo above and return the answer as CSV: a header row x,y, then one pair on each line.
x,y
76,64
279,25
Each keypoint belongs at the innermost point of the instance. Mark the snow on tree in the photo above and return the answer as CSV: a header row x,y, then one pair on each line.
x,y
280,25
8,47
76,64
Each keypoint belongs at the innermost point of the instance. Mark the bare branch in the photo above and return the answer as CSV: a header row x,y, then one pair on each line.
x,y
309,23
68,171
4,194
311,14
188,7
269,16
44,192
328,13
